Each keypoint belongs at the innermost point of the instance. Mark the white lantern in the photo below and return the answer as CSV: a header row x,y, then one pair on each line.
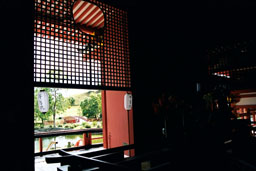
x,y
43,101
128,101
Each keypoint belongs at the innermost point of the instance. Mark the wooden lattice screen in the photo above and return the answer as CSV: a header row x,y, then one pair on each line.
x,y
66,56
235,61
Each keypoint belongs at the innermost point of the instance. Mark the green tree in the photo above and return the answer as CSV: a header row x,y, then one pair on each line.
x,y
71,101
56,101
91,106
59,104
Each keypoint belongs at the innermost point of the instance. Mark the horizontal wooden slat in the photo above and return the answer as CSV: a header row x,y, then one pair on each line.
x,y
66,132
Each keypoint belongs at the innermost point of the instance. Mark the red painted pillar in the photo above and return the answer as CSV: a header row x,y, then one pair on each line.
x,y
40,144
131,130
104,119
87,139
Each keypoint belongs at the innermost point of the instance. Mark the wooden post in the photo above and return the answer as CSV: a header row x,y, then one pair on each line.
x,y
87,139
104,119
40,144
84,139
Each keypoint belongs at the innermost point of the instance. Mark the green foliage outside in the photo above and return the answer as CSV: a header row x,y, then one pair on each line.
x,y
91,106
84,125
71,101
57,104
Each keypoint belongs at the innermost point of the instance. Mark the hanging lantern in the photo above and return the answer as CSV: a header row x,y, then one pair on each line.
x,y
128,101
43,101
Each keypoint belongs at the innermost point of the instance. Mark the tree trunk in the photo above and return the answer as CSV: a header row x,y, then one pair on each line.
x,y
54,109
42,121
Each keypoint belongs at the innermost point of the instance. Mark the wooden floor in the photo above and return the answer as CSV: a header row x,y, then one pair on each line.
x,y
41,165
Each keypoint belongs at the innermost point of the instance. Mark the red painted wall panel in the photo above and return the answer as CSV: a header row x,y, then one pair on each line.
x,y
118,129
117,122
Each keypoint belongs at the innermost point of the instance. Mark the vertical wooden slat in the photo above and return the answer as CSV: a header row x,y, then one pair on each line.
x,y
40,144
131,130
87,139
84,139
104,119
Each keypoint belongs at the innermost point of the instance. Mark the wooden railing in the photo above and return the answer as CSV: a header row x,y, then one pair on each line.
x,y
106,159
86,139
239,164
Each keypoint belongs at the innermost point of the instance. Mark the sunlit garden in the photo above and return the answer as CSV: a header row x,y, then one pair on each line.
x,y
69,109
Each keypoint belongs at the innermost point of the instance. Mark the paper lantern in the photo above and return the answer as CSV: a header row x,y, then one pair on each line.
x,y
43,101
128,101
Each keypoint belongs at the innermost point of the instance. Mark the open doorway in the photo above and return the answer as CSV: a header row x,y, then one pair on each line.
x,y
70,110
80,119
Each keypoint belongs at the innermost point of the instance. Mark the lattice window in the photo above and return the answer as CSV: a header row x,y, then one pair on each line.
x,y
235,61
65,55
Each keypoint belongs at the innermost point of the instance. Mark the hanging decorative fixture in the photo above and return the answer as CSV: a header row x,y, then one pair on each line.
x,y
88,17
43,101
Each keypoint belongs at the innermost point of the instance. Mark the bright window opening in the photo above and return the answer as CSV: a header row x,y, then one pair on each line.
x,y
71,113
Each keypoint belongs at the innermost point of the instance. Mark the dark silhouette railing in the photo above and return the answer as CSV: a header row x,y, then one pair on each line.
x,y
160,159
107,159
